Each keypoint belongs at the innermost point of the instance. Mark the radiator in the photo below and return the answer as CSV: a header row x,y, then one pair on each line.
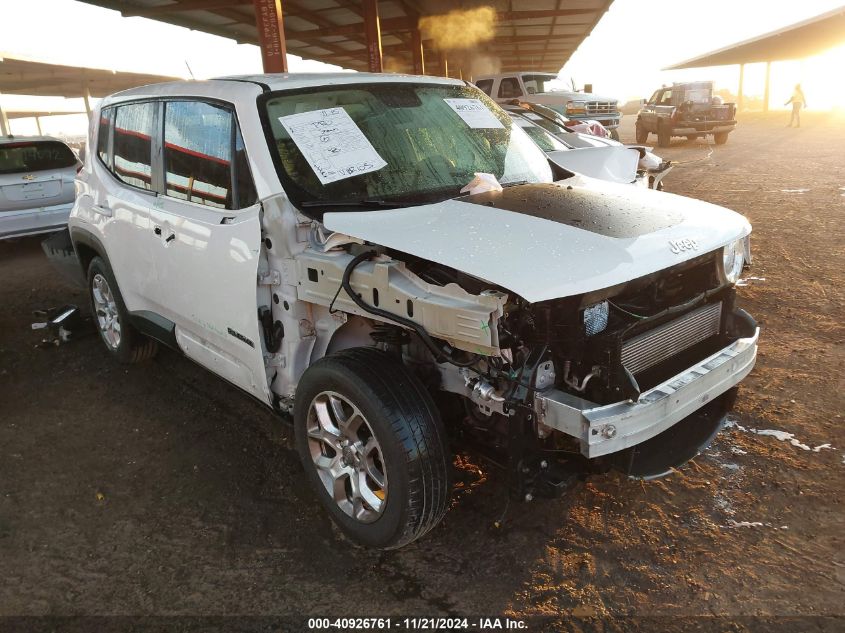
x,y
653,347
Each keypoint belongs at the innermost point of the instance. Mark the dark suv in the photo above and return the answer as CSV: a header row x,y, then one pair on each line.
x,y
686,109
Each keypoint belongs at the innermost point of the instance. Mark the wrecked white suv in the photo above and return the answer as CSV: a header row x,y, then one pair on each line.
x,y
307,239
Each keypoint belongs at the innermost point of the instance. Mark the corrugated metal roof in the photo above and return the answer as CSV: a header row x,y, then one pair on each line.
x,y
24,76
802,39
536,34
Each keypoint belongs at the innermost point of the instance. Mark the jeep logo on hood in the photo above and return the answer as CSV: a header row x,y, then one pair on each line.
x,y
686,244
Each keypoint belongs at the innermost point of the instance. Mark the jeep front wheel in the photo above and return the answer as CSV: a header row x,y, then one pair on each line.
x,y
373,447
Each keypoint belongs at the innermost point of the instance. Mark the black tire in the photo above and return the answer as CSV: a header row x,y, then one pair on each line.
x,y
614,134
404,421
132,346
641,134
721,137
664,136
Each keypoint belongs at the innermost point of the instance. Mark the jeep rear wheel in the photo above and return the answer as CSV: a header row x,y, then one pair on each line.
x,y
372,444
112,319
721,137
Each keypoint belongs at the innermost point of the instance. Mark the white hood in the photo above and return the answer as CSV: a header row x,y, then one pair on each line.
x,y
548,241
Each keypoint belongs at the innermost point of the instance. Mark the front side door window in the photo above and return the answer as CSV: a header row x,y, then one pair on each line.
x,y
509,88
485,85
198,153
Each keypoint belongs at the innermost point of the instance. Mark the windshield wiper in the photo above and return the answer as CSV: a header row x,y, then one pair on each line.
x,y
366,203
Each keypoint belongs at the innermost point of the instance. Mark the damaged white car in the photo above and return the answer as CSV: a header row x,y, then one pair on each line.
x,y
306,238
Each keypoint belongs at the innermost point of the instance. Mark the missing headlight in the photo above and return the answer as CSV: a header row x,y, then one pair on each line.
x,y
595,318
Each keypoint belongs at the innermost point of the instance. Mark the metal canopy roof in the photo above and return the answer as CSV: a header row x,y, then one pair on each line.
x,y
534,34
37,78
802,39
31,114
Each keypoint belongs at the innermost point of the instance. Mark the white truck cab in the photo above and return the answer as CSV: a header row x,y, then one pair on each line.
x,y
312,240
548,90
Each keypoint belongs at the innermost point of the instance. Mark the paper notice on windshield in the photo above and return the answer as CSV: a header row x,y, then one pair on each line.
x,y
474,113
333,145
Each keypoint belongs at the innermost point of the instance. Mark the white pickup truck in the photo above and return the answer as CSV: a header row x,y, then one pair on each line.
x,y
546,89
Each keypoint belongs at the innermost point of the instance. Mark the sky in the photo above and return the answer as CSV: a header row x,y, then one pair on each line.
x,y
622,57
636,38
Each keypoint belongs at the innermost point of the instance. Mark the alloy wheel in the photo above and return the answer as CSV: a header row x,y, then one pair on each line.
x,y
347,456
105,309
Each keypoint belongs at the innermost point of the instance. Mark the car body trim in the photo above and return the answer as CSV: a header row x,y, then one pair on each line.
x,y
155,326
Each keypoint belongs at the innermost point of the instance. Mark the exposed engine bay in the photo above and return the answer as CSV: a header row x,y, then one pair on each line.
x,y
494,357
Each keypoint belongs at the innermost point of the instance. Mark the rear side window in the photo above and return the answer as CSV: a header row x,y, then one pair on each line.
x,y
204,157
26,156
132,144
103,136
485,85
509,88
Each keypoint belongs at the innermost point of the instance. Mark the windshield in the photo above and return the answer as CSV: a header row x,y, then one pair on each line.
x,y
394,141
35,156
544,140
544,83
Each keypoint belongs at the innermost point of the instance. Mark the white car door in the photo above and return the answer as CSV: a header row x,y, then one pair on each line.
x,y
207,244
121,204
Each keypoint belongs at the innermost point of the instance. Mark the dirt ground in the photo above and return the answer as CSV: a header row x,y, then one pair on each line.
x,y
160,490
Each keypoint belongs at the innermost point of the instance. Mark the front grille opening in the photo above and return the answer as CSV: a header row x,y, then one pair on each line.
x,y
670,339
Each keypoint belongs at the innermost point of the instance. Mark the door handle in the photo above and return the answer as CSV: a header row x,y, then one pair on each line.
x,y
170,236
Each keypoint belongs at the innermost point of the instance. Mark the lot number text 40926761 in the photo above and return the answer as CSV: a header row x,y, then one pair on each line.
x,y
417,624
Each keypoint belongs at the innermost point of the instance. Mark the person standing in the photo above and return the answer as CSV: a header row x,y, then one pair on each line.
x,y
798,101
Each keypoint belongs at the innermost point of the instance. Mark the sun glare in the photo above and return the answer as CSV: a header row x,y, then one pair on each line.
x,y
821,76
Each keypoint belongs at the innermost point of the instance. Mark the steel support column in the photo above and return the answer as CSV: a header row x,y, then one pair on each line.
x,y
417,52
5,130
86,97
373,32
766,89
271,35
444,64
739,94
38,125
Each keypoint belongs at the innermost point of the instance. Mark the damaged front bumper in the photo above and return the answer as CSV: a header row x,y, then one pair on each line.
x,y
606,429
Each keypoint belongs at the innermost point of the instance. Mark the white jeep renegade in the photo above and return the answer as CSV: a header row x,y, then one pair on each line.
x,y
312,240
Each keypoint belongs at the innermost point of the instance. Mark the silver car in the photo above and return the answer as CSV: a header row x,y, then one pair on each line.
x,y
36,185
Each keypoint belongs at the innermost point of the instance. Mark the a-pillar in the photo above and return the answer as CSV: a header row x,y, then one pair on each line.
x,y
766,89
271,35
417,52
372,30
